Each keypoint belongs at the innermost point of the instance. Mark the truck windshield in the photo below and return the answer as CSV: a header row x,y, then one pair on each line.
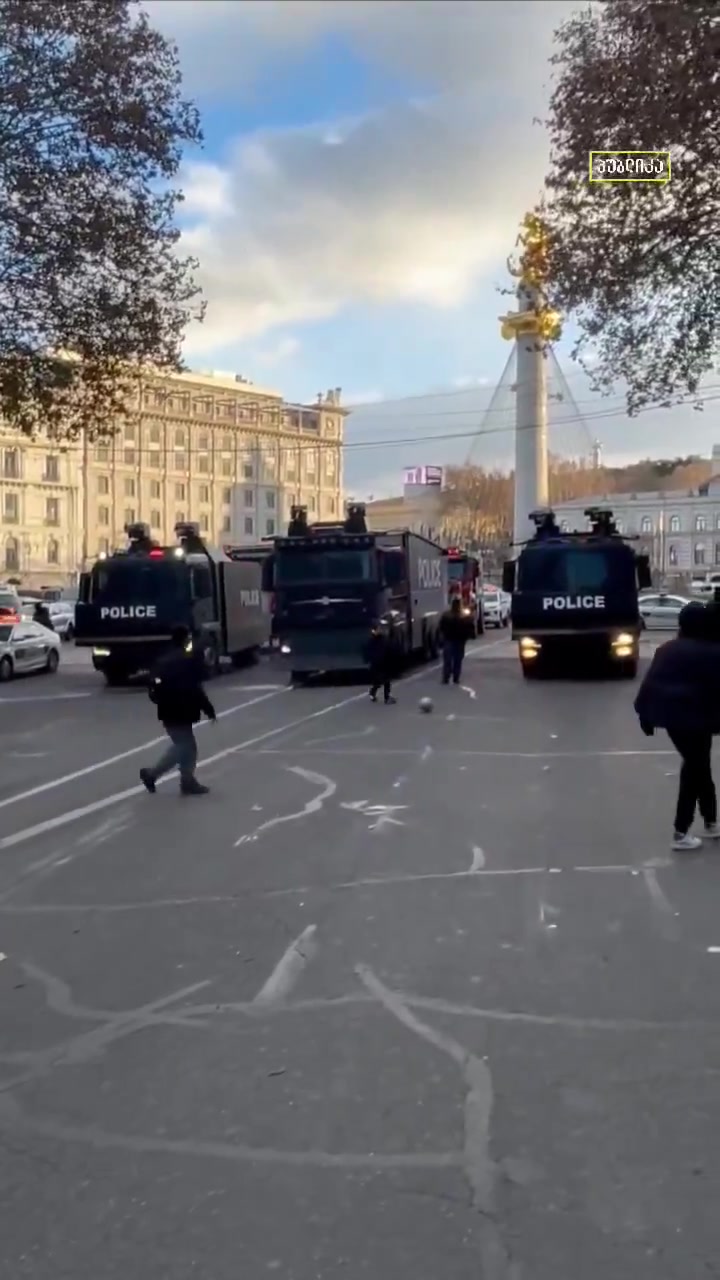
x,y
573,571
456,570
308,565
139,582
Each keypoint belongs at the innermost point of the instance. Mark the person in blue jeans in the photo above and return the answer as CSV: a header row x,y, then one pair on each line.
x,y
177,691
456,629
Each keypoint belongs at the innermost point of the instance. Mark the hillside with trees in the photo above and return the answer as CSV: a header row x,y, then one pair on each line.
x,y
478,504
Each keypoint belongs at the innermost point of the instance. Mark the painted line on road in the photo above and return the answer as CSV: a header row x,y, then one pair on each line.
x,y
311,806
288,968
51,697
62,819
122,755
458,751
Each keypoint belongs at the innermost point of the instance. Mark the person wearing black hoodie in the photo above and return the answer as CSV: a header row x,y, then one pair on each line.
x,y
681,694
176,690
456,629
379,656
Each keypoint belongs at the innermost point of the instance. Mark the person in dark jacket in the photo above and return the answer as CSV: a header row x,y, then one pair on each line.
x,y
177,691
41,615
379,656
456,629
681,694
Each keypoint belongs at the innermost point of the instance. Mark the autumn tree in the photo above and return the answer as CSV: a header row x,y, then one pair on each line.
x,y
638,263
92,129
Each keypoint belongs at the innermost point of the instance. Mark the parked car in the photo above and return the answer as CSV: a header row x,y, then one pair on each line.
x,y
9,602
62,613
705,584
496,606
659,611
26,646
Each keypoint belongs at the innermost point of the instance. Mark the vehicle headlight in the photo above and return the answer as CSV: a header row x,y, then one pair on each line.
x,y
623,640
101,653
285,648
529,648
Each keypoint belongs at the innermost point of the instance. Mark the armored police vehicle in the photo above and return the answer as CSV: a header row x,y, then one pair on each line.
x,y
575,596
333,581
131,600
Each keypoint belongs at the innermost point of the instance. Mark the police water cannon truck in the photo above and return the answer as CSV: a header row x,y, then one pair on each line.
x,y
575,596
130,602
333,581
464,583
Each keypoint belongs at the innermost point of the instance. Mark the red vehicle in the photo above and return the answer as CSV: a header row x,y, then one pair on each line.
x,y
463,575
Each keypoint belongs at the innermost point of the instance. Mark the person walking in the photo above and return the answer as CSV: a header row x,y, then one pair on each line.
x,y
456,629
681,694
176,690
379,655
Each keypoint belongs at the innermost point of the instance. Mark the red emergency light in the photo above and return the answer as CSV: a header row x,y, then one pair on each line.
x,y
157,554
454,553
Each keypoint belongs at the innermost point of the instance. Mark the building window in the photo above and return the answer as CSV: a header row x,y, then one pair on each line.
x,y
227,444
672,554
11,508
269,527
52,469
270,499
129,457
331,506
52,511
155,519
247,470
179,492
102,453
311,502
674,524
12,555
700,524
310,462
153,458
699,553
180,438
103,484
717,552
204,444
53,551
155,489
226,466
290,468
227,496
103,515
180,462
204,523
646,525
129,516
129,487
249,525
11,466
204,493
330,465
103,546
130,431
179,517
203,463
226,524
155,435
248,497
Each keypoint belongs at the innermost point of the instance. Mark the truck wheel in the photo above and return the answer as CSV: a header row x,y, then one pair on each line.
x,y
115,678
629,669
298,678
530,670
244,659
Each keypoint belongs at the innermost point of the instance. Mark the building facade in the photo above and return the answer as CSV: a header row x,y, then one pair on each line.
x,y
678,528
210,448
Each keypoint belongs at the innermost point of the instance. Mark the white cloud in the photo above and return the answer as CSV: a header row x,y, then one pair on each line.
x,y
468,380
415,204
284,349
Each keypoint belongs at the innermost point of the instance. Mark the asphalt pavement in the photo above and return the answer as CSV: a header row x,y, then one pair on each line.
x,y
406,996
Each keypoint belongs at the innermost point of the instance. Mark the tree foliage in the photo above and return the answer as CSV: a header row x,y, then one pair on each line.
x,y
638,263
92,127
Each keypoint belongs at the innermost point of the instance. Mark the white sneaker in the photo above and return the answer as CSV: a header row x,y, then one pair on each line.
x,y
712,831
684,844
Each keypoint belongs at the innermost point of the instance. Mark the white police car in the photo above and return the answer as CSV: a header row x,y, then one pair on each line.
x,y
26,646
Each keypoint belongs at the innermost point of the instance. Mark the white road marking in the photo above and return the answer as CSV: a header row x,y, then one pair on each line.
x,y
28,755
714,950
2,956
545,911
312,806
122,755
72,815
342,737
253,688
478,859
288,968
470,692
49,697
426,754
451,717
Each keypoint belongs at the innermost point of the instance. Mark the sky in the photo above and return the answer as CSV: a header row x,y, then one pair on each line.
x,y
366,167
